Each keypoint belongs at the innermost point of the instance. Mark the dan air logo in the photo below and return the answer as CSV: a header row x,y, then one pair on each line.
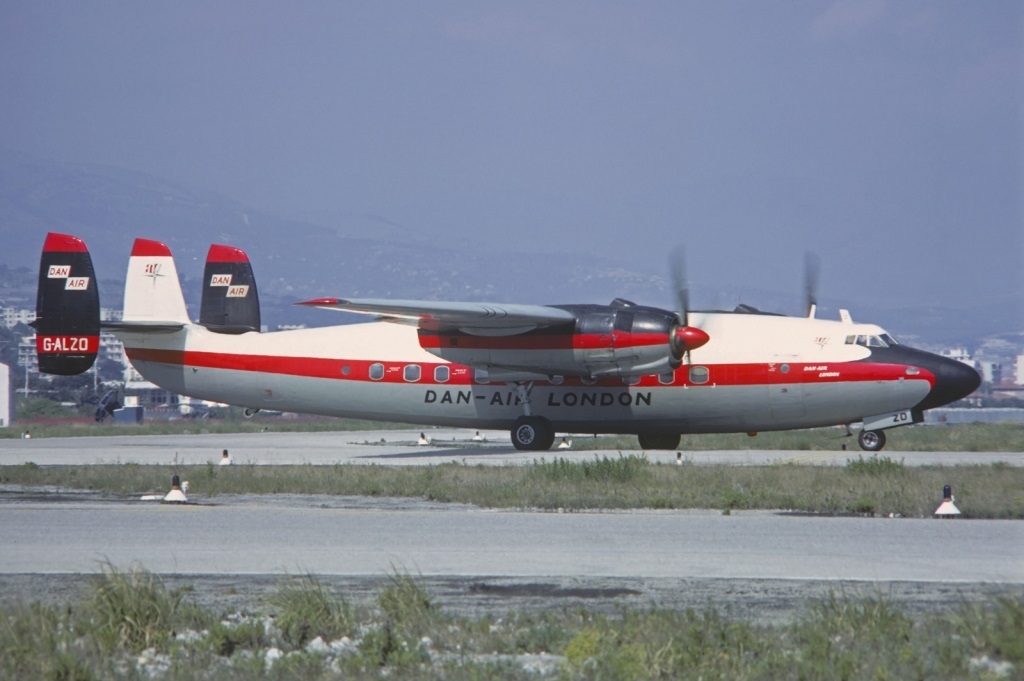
x,y
70,283
220,280
237,291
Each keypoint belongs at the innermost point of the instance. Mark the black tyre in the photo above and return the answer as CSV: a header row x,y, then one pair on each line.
x,y
659,440
532,434
871,440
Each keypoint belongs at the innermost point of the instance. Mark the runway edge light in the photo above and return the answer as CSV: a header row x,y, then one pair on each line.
x,y
176,495
947,509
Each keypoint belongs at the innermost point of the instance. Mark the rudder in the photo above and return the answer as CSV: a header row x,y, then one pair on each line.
x,y
67,307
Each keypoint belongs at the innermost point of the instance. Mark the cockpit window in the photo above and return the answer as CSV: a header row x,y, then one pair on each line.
x,y
883,341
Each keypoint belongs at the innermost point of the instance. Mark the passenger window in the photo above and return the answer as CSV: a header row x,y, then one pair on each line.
x,y
376,371
480,375
442,373
411,373
667,378
699,375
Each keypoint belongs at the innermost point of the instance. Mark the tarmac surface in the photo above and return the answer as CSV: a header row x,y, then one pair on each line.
x,y
401,448
233,550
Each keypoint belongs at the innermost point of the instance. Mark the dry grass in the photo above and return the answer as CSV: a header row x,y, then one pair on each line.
x,y
865,486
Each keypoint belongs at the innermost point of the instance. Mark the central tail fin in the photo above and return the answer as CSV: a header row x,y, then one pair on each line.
x,y
152,292
230,302
67,307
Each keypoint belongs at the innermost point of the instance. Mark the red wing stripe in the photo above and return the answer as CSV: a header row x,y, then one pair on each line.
x,y
541,341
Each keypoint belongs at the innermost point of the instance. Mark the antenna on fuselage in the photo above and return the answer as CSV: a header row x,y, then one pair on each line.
x,y
812,271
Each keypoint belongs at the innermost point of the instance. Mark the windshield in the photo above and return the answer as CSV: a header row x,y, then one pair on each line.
x,y
872,341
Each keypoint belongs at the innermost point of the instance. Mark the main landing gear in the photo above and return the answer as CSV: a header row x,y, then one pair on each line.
x,y
871,440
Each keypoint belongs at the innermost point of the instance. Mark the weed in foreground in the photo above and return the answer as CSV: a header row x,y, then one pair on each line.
x,y
305,611
131,610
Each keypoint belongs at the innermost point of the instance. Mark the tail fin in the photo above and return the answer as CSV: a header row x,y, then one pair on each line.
x,y
67,307
230,301
152,292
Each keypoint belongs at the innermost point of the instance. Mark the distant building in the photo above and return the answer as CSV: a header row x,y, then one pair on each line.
x,y
991,372
12,316
1019,373
6,403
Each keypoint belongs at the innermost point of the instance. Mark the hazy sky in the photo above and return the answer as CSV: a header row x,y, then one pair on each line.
x,y
888,136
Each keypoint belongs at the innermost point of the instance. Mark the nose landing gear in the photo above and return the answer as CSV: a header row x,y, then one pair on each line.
x,y
532,433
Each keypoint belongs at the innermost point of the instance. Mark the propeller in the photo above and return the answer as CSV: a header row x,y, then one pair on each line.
x,y
812,271
683,338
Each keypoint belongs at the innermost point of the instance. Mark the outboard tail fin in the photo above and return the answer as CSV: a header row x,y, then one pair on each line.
x,y
152,292
230,301
67,307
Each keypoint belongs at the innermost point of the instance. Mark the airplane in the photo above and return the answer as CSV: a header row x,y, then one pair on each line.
x,y
535,370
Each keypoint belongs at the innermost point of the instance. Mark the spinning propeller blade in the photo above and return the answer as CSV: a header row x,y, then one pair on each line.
x,y
683,338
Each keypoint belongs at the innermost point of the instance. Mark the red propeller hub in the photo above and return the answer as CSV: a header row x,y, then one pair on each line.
x,y
686,338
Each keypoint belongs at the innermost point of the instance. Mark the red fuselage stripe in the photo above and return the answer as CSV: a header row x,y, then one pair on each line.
x,y
394,372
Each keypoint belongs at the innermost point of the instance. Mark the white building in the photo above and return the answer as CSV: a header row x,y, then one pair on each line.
x,y
5,396
1019,373
12,316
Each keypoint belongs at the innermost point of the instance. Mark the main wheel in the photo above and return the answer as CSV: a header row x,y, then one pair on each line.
x,y
532,433
659,440
871,440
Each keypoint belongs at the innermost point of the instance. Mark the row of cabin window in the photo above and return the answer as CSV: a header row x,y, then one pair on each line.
x,y
412,373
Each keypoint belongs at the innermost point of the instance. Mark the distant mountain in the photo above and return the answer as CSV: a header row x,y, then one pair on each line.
x,y
364,257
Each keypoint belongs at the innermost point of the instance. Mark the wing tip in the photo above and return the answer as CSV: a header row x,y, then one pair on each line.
x,y
320,302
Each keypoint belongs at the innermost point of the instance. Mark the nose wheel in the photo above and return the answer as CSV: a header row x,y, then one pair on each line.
x,y
532,434
871,440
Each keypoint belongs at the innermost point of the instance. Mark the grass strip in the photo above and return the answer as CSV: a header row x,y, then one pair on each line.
x,y
864,486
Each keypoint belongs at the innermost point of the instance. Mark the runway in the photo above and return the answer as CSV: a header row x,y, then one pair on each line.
x,y
399,448
473,555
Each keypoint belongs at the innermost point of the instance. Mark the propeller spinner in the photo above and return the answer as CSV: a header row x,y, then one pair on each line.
x,y
683,338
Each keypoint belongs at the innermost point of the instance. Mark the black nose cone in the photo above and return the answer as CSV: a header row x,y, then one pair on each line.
x,y
953,381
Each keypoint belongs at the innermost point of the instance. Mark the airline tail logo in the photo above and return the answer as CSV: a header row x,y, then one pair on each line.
x,y
237,291
220,280
70,283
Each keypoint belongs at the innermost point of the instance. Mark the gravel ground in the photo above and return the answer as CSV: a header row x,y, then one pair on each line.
x,y
764,601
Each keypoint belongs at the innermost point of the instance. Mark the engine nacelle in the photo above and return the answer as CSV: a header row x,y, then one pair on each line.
x,y
605,341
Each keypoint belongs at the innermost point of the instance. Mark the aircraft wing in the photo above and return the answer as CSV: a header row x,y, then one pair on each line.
x,y
483,319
